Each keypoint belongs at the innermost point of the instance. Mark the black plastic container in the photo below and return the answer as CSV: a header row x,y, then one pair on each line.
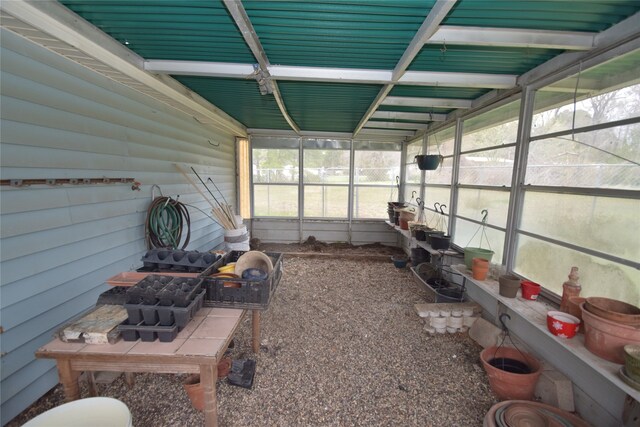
x,y
177,260
131,332
452,294
238,292
180,292
419,255
440,242
146,291
421,235
161,315
242,373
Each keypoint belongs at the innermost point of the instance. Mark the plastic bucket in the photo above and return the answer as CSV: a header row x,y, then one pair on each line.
x,y
92,411
530,290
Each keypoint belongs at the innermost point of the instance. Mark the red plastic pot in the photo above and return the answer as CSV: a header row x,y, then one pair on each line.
x,y
530,290
562,324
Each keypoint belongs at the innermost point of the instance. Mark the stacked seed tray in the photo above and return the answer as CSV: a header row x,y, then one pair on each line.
x,y
169,260
241,293
160,306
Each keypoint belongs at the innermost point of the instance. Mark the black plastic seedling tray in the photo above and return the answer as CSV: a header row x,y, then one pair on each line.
x,y
157,314
146,291
180,292
133,331
177,260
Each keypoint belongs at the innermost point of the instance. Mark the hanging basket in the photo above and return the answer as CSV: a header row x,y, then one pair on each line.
x,y
428,162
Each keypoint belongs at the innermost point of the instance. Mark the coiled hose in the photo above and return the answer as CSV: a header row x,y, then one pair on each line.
x,y
166,219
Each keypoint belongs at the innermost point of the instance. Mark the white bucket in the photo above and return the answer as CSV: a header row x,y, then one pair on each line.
x,y
235,233
92,411
239,246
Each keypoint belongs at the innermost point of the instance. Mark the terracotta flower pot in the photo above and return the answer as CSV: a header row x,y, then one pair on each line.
x,y
509,285
606,338
508,385
195,391
480,273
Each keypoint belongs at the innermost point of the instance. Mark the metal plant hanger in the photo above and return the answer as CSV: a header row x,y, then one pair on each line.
x,y
483,228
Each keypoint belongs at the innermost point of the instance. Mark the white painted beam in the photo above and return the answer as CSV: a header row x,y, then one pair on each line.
x,y
196,68
401,115
386,132
394,125
513,37
54,19
407,101
343,75
475,80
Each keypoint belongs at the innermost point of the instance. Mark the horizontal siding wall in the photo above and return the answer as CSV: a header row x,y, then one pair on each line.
x,y
288,231
59,243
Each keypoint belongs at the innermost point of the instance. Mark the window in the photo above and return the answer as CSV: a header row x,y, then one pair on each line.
x,y
413,175
275,180
374,179
437,182
326,180
487,158
581,203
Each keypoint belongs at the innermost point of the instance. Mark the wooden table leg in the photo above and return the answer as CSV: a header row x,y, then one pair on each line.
x,y
129,379
255,323
91,383
69,380
208,378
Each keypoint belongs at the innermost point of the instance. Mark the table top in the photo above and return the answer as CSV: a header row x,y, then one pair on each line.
x,y
205,337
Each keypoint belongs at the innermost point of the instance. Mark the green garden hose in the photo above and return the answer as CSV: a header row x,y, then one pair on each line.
x,y
166,219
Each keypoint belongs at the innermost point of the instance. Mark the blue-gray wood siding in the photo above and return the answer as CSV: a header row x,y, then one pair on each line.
x,y
58,244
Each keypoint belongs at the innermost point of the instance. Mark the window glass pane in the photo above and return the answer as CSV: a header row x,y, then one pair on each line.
x,y
549,265
413,175
431,196
493,167
442,142
275,200
275,165
495,127
371,202
321,201
600,223
604,93
326,166
376,167
593,159
413,149
470,234
472,201
409,189
442,175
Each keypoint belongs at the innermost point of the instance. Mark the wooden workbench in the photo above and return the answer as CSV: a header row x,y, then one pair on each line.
x,y
197,349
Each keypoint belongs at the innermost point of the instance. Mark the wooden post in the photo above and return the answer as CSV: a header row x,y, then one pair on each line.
x,y
255,323
91,383
208,378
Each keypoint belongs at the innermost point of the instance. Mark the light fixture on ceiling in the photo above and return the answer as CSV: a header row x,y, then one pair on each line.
x,y
264,80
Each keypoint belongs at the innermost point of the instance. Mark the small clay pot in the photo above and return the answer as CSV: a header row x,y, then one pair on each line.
x,y
509,285
480,273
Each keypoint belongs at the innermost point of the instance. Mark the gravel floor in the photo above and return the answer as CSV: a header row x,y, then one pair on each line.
x,y
341,346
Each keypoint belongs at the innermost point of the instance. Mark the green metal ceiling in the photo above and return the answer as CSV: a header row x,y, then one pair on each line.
x,y
240,99
351,34
342,104
357,34
561,15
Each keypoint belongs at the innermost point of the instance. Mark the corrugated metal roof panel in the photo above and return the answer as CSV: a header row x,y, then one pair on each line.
x,y
564,15
333,107
356,34
200,30
438,92
240,99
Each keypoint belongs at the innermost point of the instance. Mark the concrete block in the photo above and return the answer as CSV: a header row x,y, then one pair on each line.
x,y
555,389
485,333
